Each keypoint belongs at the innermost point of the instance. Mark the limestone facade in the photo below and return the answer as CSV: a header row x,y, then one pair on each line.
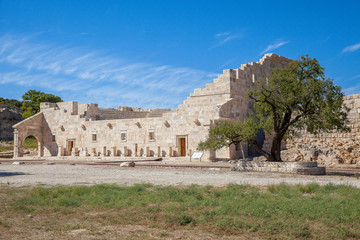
x,y
70,129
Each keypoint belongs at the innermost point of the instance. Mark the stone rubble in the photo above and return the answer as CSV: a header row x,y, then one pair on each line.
x,y
328,152
127,164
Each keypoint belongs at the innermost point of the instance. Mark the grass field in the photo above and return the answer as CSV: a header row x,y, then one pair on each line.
x,y
275,212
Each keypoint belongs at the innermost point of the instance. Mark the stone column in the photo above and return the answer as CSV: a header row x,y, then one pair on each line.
x,y
125,152
136,150
114,151
40,149
60,151
104,153
147,152
17,145
170,151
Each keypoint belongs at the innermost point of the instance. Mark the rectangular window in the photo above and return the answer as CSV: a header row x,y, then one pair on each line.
x,y
123,135
94,136
53,137
151,135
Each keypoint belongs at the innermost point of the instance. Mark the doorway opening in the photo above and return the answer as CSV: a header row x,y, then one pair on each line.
x,y
182,145
70,143
31,146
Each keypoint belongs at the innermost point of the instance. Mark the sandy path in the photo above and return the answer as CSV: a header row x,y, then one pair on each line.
x,y
62,174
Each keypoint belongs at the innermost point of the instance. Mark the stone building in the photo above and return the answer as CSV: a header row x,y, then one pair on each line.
x,y
70,129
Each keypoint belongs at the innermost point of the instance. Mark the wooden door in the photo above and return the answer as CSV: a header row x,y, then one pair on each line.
x,y
70,147
182,147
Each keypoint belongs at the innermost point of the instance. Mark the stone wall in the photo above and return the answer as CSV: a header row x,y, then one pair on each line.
x,y
126,113
76,129
306,168
330,148
8,117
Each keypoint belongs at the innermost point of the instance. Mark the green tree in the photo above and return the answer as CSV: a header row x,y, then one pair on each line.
x,y
224,133
295,98
33,98
10,103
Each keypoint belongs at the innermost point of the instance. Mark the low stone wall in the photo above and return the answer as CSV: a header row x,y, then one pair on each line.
x,y
306,168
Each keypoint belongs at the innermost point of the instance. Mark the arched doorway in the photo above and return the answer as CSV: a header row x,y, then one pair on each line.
x,y
31,147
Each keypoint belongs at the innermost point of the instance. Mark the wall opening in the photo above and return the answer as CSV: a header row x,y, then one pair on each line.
x,y
151,133
31,146
70,144
181,145
93,136
123,135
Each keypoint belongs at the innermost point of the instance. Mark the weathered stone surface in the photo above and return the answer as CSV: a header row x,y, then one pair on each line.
x,y
327,152
7,154
306,168
8,117
18,163
127,164
69,129
329,148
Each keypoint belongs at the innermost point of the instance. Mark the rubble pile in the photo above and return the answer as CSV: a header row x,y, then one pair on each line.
x,y
326,151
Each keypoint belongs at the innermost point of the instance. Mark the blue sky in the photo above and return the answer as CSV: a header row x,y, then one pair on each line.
x,y
154,53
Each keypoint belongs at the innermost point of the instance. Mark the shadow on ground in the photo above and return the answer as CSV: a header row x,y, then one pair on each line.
x,y
344,174
9,174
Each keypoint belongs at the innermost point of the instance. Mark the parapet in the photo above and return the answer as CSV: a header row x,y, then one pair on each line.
x,y
46,105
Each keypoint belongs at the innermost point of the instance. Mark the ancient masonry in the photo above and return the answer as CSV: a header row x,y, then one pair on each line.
x,y
330,148
8,117
69,129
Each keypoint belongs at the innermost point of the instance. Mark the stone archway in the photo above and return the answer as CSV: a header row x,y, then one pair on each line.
x,y
31,142
30,126
19,140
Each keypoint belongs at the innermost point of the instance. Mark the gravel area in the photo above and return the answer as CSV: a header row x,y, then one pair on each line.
x,y
65,174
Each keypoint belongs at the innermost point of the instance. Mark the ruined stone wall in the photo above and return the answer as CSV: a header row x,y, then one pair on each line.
x,y
8,118
330,148
222,99
111,113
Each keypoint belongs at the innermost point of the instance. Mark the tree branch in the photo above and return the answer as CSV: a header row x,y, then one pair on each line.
x,y
262,152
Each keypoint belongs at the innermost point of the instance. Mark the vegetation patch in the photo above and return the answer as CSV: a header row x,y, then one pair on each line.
x,y
29,143
277,212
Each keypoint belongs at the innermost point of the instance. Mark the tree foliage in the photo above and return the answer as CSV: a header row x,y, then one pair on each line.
x,y
224,133
33,98
10,103
295,98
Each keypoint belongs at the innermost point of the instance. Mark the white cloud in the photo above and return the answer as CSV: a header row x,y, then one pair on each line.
x,y
352,90
224,38
91,76
274,46
355,77
351,48
222,34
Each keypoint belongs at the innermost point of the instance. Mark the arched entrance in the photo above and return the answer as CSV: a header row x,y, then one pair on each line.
x,y
30,146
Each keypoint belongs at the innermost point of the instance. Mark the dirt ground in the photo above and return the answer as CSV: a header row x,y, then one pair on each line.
x,y
69,174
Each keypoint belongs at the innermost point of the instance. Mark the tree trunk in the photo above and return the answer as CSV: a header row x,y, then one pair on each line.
x,y
262,152
242,151
276,149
